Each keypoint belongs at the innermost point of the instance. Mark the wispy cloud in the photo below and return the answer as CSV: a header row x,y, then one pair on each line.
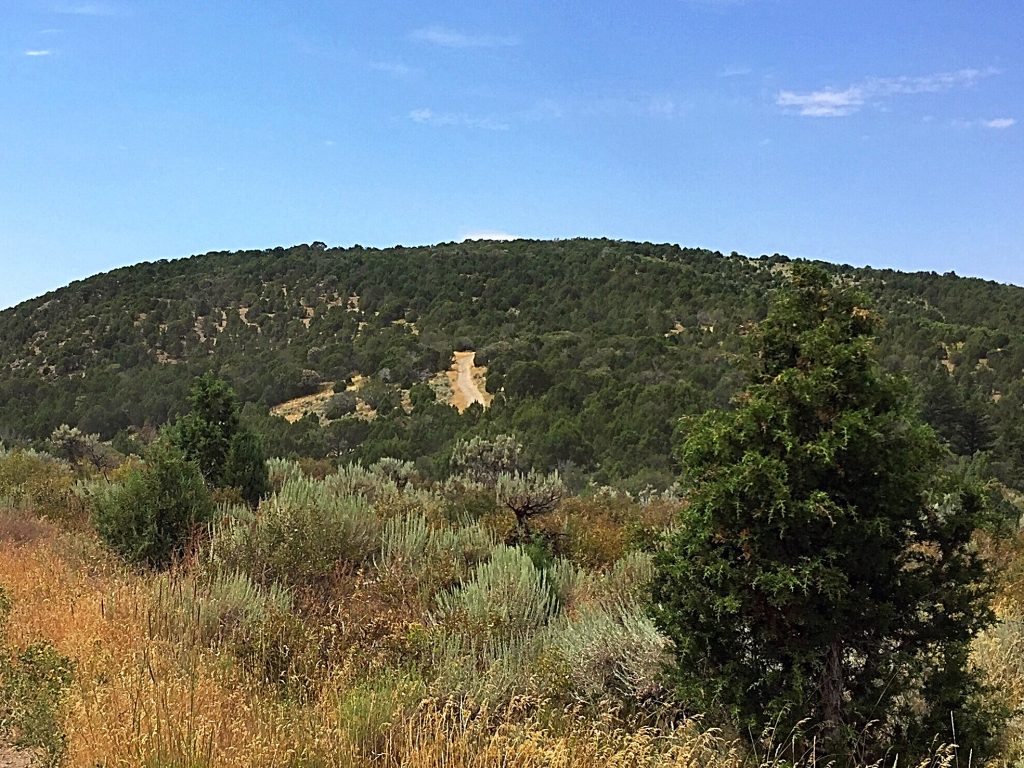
x,y
1000,123
488,235
426,116
452,38
833,102
86,9
735,72
38,52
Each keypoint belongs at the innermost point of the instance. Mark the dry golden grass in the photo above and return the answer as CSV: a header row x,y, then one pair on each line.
x,y
143,698
140,699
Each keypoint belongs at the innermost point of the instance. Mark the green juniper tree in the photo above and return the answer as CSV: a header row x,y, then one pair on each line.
x,y
151,515
823,567
212,436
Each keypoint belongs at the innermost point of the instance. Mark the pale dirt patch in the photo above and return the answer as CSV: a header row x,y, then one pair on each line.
x,y
243,315
468,382
16,758
293,410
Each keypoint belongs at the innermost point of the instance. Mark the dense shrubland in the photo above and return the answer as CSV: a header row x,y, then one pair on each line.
x,y
373,617
594,347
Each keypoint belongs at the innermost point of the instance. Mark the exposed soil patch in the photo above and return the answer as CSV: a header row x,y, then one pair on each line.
x,y
293,410
15,758
468,382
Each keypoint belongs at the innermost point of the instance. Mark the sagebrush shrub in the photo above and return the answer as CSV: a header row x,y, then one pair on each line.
x,y
432,554
256,624
296,536
39,482
507,596
607,656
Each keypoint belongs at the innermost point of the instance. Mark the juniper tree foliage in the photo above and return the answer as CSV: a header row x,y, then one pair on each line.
x,y
151,515
205,434
212,436
823,567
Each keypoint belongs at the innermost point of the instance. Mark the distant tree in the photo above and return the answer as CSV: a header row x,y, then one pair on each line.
x,y
212,436
340,405
823,566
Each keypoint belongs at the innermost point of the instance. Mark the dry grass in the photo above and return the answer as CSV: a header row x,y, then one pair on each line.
x,y
140,698
144,696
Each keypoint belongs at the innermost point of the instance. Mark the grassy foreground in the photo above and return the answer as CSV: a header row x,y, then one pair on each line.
x,y
414,637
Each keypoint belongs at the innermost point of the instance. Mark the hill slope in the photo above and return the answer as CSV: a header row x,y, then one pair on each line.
x,y
596,347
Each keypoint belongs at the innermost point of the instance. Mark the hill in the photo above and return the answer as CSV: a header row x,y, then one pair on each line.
x,y
593,348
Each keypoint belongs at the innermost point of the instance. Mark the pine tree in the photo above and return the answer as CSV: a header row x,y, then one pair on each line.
x,y
823,567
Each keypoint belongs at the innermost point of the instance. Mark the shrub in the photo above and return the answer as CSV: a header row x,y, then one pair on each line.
x,y
150,516
484,460
506,597
32,685
246,467
230,611
38,482
432,555
606,656
528,495
296,536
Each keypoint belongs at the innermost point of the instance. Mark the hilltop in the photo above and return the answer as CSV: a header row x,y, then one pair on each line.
x,y
592,348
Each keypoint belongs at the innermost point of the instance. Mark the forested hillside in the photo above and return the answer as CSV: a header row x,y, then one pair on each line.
x,y
594,348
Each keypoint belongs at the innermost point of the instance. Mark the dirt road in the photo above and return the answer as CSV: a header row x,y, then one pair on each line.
x,y
464,378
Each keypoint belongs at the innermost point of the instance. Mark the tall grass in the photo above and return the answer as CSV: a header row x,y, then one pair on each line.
x,y
346,622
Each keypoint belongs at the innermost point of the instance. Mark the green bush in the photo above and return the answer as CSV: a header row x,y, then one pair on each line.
x,y
38,482
341,405
151,515
296,536
246,467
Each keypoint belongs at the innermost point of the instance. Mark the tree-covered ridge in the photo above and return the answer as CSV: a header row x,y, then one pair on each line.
x,y
595,346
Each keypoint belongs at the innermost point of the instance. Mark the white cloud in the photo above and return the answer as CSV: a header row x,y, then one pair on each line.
x,y
451,38
735,72
37,52
426,116
824,103
1000,122
488,235
833,102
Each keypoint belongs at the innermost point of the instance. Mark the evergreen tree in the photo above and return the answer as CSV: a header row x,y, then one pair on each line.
x,y
823,567
150,517
205,434
228,454
246,467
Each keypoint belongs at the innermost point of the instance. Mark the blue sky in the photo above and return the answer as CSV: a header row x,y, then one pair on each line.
x,y
883,133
